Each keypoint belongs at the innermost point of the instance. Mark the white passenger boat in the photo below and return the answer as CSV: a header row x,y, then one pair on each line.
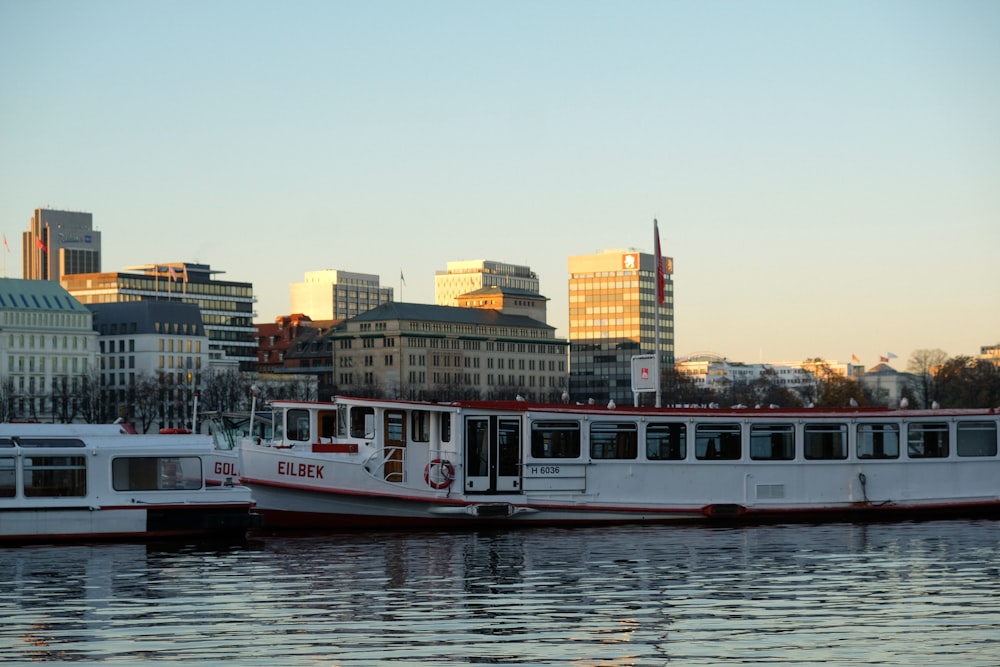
x,y
88,482
361,463
227,429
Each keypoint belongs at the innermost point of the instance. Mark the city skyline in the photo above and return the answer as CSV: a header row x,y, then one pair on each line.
x,y
823,176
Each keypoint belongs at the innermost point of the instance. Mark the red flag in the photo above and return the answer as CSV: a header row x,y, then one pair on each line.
x,y
172,273
854,358
660,273
41,245
884,360
6,247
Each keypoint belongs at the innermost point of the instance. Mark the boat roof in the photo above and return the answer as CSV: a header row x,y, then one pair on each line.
x,y
63,430
738,411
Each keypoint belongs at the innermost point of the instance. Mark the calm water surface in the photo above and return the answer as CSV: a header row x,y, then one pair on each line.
x,y
884,594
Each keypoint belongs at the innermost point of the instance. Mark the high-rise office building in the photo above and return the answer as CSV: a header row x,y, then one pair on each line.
x,y
467,276
60,243
336,295
612,317
226,306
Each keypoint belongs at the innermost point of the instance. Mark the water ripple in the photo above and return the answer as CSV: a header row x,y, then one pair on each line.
x,y
893,594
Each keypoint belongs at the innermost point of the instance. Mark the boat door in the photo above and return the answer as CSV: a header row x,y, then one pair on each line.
x,y
394,445
492,454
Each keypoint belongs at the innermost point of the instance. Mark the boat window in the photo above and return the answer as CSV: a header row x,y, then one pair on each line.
x,y
55,476
772,442
420,426
717,441
297,425
6,442
154,473
445,427
327,423
927,440
825,441
509,447
362,422
666,442
614,440
477,447
50,442
977,439
7,479
878,441
555,440
342,421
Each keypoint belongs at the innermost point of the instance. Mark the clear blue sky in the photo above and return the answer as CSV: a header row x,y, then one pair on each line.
x,y
826,174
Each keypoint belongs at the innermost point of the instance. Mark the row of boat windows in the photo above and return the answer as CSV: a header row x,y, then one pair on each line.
x,y
359,423
669,441
66,476
712,441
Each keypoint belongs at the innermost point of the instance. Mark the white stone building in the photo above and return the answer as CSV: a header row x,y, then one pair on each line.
x,y
47,345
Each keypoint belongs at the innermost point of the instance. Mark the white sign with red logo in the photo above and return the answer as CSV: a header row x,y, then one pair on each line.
x,y
644,375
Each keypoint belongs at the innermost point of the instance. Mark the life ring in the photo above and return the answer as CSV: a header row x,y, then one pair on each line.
x,y
444,476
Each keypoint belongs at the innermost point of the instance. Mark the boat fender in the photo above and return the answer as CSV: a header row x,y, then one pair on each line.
x,y
444,474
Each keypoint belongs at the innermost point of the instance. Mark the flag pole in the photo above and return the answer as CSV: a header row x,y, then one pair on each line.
x,y
657,302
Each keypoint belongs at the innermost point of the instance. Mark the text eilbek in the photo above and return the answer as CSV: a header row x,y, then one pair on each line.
x,y
309,470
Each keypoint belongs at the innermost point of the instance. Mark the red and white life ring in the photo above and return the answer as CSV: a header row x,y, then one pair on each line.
x,y
443,474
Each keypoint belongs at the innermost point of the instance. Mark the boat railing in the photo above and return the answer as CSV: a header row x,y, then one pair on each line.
x,y
387,463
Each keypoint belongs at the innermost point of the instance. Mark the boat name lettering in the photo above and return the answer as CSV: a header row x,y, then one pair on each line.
x,y
225,468
291,469
545,470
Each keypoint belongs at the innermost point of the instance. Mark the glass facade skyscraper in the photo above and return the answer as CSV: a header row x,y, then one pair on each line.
x,y
226,306
612,317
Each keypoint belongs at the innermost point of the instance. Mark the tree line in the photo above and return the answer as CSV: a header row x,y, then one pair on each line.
x,y
932,378
151,402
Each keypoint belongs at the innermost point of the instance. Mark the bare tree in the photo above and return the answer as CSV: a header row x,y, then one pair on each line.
x,y
679,389
63,401
7,400
225,391
923,364
837,391
965,382
768,389
146,400
89,397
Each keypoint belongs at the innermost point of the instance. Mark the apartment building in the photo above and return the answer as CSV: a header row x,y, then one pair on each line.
x,y
432,352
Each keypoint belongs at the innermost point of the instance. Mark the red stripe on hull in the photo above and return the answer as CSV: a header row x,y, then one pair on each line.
x,y
547,514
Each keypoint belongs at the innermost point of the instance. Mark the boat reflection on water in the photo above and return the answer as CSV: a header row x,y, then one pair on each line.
x,y
625,595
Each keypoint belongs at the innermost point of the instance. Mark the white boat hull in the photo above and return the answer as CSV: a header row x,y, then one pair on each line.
x,y
488,466
82,482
